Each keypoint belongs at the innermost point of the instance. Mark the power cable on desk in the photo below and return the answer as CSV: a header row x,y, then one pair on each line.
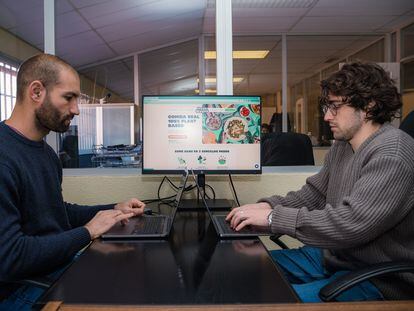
x,y
159,187
212,190
188,188
166,200
171,183
170,199
162,200
176,188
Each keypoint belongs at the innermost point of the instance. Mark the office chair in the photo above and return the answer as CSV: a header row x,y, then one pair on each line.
x,y
284,149
407,125
41,282
276,123
330,291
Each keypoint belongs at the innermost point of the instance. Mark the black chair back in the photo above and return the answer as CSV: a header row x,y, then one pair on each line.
x,y
285,149
407,125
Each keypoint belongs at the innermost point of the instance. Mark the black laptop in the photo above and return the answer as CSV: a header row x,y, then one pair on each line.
x,y
223,228
147,226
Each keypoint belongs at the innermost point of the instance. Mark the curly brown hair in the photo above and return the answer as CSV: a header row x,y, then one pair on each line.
x,y
367,87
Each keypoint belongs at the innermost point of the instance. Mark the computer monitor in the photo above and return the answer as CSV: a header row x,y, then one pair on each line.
x,y
208,134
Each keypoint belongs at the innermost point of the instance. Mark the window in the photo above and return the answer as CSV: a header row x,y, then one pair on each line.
x,y
8,74
407,41
407,69
96,137
171,70
373,53
106,118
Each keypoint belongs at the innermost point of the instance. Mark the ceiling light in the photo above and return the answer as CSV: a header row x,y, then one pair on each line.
x,y
206,91
264,4
240,54
214,80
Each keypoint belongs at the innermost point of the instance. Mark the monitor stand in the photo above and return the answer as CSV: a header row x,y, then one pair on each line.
x,y
213,204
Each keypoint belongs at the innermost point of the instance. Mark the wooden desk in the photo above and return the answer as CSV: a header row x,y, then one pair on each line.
x,y
338,306
192,267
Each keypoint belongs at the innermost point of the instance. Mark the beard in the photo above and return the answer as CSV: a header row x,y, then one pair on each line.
x,y
353,126
49,117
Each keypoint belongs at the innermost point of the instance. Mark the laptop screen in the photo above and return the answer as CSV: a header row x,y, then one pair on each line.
x,y
181,188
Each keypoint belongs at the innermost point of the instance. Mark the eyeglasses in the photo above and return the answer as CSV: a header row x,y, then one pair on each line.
x,y
333,107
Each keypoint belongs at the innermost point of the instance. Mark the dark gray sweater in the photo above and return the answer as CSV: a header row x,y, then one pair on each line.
x,y
39,232
358,208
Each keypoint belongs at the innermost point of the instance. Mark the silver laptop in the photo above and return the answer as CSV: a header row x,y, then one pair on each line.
x,y
147,226
223,228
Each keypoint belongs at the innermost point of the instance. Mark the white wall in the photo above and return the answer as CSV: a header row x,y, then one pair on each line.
x,y
100,189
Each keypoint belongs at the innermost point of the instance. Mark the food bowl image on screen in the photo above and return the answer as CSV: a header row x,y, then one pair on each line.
x,y
235,128
244,111
255,109
213,122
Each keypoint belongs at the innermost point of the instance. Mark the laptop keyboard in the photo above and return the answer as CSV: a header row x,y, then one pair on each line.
x,y
149,225
225,226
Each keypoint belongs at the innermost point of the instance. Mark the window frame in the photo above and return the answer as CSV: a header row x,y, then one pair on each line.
x,y
8,71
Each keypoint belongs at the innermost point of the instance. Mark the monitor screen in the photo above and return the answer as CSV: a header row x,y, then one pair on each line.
x,y
210,134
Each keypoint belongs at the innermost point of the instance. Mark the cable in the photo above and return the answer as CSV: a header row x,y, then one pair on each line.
x,y
186,189
163,200
167,200
159,187
171,183
189,188
234,190
212,191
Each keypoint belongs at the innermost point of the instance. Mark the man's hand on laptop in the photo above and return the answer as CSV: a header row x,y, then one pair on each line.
x,y
249,214
133,205
104,220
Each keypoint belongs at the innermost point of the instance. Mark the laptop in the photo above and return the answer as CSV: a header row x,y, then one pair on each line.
x,y
147,226
222,227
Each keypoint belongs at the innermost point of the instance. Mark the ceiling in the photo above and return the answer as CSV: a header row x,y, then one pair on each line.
x,y
92,31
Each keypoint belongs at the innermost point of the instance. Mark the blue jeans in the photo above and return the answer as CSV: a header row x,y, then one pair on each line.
x,y
26,296
304,269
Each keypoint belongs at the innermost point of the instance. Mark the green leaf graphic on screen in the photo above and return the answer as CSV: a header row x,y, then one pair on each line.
x,y
201,160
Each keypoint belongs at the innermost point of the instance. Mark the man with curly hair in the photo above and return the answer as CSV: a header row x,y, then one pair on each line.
x,y
358,210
